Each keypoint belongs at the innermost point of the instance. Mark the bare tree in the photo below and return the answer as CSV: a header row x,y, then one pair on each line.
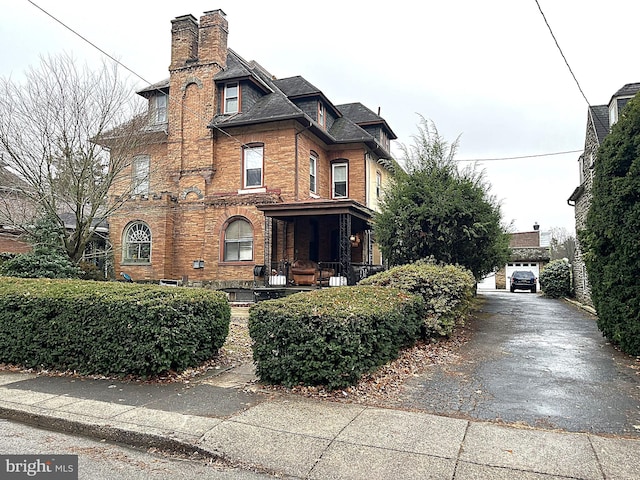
x,y
563,244
60,133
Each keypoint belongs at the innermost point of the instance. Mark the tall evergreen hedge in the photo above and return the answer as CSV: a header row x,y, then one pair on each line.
x,y
611,239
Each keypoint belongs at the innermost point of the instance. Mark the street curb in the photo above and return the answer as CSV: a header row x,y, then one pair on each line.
x,y
105,432
582,306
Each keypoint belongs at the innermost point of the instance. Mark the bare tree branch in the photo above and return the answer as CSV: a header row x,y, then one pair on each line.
x,y
57,131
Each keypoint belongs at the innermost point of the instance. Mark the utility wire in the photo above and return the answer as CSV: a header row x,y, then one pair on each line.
x,y
136,74
516,158
562,53
597,118
111,57
89,42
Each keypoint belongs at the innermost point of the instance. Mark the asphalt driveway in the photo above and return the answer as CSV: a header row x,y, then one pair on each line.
x,y
535,361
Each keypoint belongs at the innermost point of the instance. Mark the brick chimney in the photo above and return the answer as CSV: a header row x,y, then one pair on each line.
x,y
204,44
184,41
214,30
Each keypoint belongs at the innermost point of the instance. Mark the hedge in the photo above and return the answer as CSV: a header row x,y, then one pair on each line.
x,y
555,279
109,328
446,289
332,336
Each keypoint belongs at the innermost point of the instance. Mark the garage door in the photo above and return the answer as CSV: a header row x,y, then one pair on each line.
x,y
532,267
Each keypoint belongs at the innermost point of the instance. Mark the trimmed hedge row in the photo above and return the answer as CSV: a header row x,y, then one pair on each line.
x,y
332,336
109,328
446,289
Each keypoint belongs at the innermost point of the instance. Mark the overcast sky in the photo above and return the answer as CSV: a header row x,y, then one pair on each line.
x,y
487,71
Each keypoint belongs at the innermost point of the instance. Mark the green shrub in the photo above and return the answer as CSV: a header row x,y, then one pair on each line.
x,y
446,289
331,336
109,328
40,264
555,279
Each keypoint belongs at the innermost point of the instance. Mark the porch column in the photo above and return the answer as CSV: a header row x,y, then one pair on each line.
x,y
345,247
268,231
369,235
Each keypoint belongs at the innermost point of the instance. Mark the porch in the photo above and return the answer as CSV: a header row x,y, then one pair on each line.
x,y
316,244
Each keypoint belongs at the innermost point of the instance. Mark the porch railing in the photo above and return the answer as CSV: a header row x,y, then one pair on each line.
x,y
327,274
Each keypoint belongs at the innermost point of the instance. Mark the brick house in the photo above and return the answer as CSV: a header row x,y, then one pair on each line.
x,y
600,118
13,207
529,251
242,173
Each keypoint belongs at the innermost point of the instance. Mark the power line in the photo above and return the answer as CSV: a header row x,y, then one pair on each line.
x,y
133,72
562,53
89,42
606,127
516,158
83,38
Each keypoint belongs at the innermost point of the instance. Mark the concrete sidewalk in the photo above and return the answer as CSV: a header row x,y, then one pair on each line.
x,y
304,438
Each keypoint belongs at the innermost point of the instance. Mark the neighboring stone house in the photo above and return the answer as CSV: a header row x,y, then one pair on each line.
x,y
529,251
600,118
242,173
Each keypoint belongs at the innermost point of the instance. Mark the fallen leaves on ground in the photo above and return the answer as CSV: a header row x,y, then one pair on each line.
x,y
384,386
381,387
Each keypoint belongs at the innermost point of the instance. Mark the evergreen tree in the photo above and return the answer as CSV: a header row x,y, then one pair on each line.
x,y
612,236
47,259
435,210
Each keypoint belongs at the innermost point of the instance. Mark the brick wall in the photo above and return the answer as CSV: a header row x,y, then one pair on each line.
x,y
11,243
197,174
525,239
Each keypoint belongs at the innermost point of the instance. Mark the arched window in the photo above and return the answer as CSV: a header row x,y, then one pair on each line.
x,y
136,243
238,241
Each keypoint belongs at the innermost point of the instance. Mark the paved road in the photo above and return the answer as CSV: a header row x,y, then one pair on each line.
x,y
536,361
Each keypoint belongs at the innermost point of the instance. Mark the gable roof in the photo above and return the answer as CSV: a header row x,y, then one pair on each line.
x,y
277,104
627,90
162,86
599,118
362,115
294,87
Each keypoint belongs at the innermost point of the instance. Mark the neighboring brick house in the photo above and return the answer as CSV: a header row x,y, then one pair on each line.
x,y
12,207
529,251
242,170
600,118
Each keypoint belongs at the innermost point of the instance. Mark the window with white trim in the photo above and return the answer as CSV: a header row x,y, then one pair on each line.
x,y
340,174
313,169
231,98
136,243
238,241
140,175
378,184
321,115
158,109
253,160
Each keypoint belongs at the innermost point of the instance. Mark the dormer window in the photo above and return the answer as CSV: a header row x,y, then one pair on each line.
x,y
613,113
321,115
231,98
384,139
158,109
